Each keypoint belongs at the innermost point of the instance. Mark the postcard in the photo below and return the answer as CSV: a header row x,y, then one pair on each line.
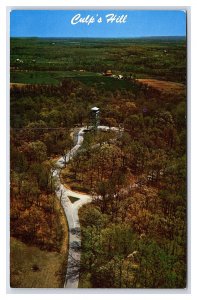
x,y
98,149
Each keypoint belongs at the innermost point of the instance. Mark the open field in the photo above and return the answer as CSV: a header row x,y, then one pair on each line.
x,y
88,78
164,86
32,268
164,58
49,77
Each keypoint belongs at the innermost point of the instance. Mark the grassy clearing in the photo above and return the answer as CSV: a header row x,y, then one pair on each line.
x,y
106,83
88,78
46,77
73,199
31,267
35,77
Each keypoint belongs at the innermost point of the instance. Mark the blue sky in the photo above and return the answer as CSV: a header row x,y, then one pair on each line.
x,y
57,23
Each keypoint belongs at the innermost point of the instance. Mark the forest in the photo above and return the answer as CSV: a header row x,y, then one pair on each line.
x,y
134,232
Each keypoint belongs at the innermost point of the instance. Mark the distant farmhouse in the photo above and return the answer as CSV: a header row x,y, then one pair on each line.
x,y
107,73
18,60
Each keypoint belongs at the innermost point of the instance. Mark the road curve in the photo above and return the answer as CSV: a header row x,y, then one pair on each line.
x,y
71,211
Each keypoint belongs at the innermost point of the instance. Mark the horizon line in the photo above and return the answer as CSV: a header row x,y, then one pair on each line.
x,y
100,37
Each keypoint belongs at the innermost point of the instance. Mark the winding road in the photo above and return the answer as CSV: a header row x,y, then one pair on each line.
x,y
71,211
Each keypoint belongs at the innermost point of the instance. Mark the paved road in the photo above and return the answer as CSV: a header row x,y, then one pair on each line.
x,y
71,211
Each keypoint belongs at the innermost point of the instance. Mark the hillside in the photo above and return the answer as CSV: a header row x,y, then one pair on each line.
x,y
134,233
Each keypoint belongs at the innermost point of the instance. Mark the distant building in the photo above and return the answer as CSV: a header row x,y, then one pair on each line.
x,y
108,73
19,60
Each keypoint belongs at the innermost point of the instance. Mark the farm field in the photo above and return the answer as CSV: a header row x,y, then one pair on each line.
x,y
47,77
161,58
164,86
